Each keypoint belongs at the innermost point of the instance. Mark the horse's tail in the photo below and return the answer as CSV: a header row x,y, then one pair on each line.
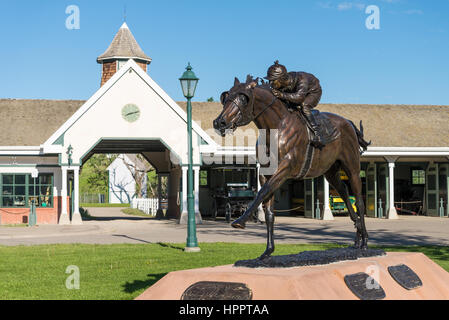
x,y
362,142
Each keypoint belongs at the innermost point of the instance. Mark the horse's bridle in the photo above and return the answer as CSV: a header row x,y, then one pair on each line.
x,y
252,109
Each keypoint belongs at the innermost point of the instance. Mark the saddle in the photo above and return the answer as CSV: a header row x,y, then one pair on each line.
x,y
327,129
328,132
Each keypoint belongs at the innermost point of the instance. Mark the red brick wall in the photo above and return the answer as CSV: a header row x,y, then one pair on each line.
x,y
44,215
143,65
110,68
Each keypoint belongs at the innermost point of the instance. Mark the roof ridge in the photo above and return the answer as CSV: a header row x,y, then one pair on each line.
x,y
124,45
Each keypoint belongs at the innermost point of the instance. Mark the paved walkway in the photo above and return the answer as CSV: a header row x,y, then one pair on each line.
x,y
112,226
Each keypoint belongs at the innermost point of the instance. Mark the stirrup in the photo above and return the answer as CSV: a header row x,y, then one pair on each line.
x,y
317,142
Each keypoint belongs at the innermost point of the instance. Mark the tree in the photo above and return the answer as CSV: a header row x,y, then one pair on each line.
x,y
139,173
153,185
94,175
211,99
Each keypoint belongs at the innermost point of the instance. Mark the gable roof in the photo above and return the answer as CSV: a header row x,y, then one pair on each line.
x,y
131,64
32,122
124,45
398,125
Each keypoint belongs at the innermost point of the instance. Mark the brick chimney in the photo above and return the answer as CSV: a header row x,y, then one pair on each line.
x,y
123,47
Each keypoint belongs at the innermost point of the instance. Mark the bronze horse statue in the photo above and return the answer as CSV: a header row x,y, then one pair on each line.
x,y
251,102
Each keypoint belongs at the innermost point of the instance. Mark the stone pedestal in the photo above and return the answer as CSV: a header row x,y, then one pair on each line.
x,y
321,282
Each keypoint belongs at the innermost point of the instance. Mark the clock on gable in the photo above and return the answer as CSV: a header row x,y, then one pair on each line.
x,y
131,113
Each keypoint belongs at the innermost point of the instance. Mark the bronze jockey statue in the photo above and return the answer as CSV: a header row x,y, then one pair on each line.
x,y
297,89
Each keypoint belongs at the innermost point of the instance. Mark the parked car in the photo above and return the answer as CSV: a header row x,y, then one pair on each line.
x,y
338,206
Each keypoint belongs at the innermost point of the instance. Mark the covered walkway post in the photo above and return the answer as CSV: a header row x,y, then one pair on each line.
x,y
184,213
64,218
392,214
76,218
196,190
327,215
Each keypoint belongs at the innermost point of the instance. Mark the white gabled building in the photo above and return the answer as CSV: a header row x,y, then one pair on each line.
x,y
129,114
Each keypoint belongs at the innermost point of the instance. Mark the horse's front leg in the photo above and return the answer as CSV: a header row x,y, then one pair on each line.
x,y
269,220
268,189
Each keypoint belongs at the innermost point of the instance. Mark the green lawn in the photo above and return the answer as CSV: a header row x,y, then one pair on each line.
x,y
124,271
84,211
135,212
105,205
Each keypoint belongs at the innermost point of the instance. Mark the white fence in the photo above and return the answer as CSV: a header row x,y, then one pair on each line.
x,y
149,206
92,198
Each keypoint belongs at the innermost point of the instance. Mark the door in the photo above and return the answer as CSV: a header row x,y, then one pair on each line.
x,y
383,192
309,198
443,185
432,190
72,199
371,190
319,197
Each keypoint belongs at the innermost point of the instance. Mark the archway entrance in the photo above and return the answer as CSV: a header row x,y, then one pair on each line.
x,y
155,151
164,161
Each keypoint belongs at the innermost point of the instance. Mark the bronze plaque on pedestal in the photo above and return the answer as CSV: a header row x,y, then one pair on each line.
x,y
209,290
364,286
405,276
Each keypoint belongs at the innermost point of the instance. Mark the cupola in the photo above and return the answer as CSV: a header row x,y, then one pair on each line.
x,y
123,47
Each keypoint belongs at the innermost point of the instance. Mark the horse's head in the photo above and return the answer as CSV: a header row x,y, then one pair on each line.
x,y
238,106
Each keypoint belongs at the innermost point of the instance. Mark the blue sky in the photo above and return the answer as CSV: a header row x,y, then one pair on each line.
x,y
406,61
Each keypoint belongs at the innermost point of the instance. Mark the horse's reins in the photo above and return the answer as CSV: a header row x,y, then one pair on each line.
x,y
252,107
265,109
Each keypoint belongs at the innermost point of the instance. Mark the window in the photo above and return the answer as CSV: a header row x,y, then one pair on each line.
x,y
13,193
18,190
203,178
418,176
121,63
42,193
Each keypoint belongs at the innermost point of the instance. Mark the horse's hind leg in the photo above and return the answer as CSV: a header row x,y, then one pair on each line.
x,y
356,186
269,220
333,176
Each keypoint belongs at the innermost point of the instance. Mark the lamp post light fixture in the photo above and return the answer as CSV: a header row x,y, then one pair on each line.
x,y
69,154
188,84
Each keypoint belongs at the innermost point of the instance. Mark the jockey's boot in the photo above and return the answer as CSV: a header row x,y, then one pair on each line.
x,y
317,141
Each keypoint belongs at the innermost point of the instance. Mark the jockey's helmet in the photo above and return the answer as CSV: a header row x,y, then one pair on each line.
x,y
276,71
